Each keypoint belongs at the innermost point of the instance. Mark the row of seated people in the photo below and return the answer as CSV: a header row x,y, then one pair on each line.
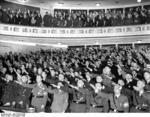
x,y
78,18
77,80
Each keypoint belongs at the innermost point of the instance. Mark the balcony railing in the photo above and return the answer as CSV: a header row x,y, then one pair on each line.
x,y
75,32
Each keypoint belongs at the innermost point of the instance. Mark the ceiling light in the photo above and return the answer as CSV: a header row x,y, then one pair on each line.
x,y
23,1
59,43
97,43
60,4
139,1
97,4
139,41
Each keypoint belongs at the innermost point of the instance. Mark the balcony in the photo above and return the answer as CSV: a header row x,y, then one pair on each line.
x,y
75,32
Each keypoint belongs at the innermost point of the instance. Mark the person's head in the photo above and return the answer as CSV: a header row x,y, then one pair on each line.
x,y
147,76
117,89
121,82
25,15
44,75
76,74
24,79
61,77
71,70
128,77
4,70
122,16
87,74
38,79
9,77
22,67
11,69
60,84
69,18
61,18
53,73
79,18
11,16
80,83
40,71
140,85
98,86
106,70
136,15
134,66
99,79
27,65
34,69
129,15
46,13
87,63
30,65
100,17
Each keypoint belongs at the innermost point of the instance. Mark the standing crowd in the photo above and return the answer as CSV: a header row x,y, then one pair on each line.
x,y
77,80
77,18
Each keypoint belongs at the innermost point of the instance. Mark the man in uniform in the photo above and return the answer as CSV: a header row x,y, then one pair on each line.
x,y
118,102
97,103
147,79
107,79
128,87
141,99
81,100
39,92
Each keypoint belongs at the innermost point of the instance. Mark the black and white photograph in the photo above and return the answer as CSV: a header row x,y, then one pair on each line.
x,y
74,56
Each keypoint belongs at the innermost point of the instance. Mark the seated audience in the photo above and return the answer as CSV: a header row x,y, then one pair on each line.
x,y
77,80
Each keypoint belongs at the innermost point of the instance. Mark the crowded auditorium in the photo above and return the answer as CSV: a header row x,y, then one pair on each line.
x,y
75,56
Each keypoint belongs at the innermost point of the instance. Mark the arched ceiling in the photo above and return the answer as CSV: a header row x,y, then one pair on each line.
x,y
81,3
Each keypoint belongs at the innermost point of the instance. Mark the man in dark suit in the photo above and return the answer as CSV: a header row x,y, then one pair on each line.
x,y
22,100
11,92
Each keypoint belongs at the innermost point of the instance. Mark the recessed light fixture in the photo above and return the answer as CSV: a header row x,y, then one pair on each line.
x,y
60,4
139,1
97,43
59,43
97,4
139,41
23,1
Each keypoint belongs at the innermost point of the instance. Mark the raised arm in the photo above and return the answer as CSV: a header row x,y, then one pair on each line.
x,y
29,85
50,90
103,95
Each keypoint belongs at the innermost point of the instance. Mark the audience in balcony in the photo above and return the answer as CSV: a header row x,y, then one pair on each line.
x,y
77,18
48,19
148,16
